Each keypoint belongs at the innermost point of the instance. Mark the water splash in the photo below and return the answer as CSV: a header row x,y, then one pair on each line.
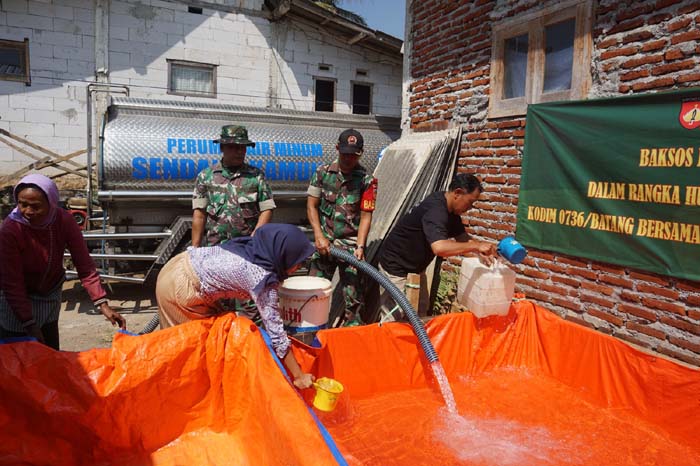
x,y
445,388
503,442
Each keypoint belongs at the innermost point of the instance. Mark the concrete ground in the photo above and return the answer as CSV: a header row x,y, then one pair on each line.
x,y
82,329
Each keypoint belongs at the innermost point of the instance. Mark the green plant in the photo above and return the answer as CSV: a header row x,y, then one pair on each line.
x,y
446,292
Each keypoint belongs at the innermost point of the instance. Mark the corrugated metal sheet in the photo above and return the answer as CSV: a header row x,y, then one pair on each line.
x,y
411,168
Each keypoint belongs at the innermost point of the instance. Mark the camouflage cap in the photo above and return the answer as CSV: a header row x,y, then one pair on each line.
x,y
234,134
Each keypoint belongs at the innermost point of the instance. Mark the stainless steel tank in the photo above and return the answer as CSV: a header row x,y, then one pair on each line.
x,y
153,150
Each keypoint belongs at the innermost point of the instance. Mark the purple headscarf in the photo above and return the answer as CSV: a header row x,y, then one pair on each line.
x,y
49,189
276,247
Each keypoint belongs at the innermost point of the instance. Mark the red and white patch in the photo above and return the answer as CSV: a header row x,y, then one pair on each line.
x,y
369,197
689,116
352,140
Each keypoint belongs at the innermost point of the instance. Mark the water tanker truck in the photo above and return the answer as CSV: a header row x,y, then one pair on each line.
x,y
150,152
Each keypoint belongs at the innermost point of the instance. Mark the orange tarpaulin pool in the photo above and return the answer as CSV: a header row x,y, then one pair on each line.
x,y
530,389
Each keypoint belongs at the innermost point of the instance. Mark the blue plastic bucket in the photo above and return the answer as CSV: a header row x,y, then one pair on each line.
x,y
513,251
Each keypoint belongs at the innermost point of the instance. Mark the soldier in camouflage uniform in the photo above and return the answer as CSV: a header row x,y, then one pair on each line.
x,y
231,199
339,206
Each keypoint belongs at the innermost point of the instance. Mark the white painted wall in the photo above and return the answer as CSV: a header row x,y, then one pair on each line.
x,y
50,112
258,63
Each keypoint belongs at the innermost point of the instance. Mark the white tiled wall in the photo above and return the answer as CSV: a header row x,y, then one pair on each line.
x,y
143,35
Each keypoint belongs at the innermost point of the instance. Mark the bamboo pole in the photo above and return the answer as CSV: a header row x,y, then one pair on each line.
x,y
413,290
38,165
8,180
60,175
35,146
37,158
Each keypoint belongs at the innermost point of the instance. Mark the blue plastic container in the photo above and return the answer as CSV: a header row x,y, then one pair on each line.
x,y
513,251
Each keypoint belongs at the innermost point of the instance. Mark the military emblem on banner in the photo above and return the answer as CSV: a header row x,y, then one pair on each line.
x,y
690,114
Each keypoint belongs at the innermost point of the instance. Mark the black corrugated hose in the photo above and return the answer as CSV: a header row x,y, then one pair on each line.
x,y
399,297
376,275
151,325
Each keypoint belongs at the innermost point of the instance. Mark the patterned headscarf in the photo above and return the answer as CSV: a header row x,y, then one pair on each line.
x,y
276,247
50,190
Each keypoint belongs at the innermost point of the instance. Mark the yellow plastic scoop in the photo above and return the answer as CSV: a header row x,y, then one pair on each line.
x,y
327,393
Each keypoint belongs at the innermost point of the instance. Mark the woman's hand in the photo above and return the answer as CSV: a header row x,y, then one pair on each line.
x,y
304,380
113,316
35,331
301,379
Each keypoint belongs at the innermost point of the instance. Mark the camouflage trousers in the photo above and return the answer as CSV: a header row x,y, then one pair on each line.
x,y
324,266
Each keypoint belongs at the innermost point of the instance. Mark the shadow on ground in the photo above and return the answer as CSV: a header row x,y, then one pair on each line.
x,y
82,328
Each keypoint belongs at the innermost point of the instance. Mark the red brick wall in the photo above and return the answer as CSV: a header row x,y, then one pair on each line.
x,y
638,46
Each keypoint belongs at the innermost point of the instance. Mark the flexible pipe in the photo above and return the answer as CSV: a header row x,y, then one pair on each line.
x,y
151,325
376,275
399,297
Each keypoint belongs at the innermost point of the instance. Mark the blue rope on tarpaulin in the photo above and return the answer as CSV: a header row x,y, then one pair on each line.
x,y
324,432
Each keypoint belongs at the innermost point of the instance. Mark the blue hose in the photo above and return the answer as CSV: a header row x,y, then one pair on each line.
x,y
399,297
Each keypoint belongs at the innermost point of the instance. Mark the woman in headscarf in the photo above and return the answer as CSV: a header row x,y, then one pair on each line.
x,y
190,284
32,240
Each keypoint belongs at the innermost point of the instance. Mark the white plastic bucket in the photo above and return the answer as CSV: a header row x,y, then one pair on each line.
x,y
305,303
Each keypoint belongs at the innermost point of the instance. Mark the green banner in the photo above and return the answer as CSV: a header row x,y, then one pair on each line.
x,y
615,180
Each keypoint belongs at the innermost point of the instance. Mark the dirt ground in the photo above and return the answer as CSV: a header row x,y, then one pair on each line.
x,y
81,328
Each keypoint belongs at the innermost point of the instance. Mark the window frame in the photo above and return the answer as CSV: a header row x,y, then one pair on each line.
x,y
192,64
335,91
23,48
534,25
352,93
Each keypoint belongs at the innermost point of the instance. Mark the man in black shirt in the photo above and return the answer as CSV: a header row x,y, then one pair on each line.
x,y
432,228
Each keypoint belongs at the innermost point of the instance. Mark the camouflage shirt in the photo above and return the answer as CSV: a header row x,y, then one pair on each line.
x,y
343,197
232,201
